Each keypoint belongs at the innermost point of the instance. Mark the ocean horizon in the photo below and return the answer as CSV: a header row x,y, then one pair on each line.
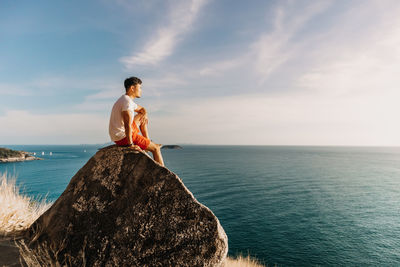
x,y
284,205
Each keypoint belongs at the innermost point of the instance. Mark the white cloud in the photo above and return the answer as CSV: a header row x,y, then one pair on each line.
x,y
23,127
295,119
219,67
181,17
51,84
358,61
265,54
345,90
154,86
13,89
96,105
103,99
274,48
106,91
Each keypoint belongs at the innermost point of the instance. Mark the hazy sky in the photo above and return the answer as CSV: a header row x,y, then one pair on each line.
x,y
214,71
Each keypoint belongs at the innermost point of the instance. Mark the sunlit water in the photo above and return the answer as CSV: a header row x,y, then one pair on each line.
x,y
290,206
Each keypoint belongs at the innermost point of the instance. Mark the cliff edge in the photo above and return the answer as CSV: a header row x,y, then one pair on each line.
x,y
124,209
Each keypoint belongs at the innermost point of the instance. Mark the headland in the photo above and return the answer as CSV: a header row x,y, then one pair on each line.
x,y
9,155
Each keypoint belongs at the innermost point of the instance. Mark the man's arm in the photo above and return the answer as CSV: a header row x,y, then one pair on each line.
x,y
142,110
126,115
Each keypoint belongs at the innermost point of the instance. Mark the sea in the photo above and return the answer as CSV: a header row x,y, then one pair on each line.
x,y
283,205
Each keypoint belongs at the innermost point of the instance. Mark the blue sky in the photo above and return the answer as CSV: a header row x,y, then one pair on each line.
x,y
214,72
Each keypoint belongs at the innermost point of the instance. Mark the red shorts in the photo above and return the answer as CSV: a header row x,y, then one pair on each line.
x,y
137,139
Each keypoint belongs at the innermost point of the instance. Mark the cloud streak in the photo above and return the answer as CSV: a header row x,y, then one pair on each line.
x,y
181,18
275,48
268,52
357,61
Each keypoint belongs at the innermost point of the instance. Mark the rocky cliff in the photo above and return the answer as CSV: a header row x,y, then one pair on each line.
x,y
124,209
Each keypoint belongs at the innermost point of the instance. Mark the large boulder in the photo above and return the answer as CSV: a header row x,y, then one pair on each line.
x,y
124,209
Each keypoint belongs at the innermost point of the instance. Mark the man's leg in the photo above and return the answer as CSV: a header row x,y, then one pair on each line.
x,y
143,130
142,126
155,149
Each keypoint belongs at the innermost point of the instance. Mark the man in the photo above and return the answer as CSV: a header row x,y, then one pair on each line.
x,y
123,128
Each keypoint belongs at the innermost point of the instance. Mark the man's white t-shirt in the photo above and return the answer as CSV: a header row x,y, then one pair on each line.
x,y
116,127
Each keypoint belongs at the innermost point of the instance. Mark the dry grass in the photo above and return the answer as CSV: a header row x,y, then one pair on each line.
x,y
39,257
42,257
17,211
241,261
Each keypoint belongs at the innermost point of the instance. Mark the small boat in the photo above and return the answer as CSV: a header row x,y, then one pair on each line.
x,y
34,153
42,153
51,153
84,150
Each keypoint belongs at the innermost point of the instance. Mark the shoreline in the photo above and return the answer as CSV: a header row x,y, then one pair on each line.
x,y
26,157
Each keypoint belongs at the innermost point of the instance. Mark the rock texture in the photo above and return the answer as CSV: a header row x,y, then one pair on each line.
x,y
9,254
124,209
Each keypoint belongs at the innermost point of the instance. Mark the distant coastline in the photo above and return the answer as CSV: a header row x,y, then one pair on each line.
x,y
171,147
9,155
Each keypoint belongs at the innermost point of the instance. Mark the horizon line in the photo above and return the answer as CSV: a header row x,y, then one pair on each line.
x,y
200,144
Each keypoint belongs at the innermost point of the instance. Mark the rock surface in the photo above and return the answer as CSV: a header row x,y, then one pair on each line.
x,y
124,209
9,254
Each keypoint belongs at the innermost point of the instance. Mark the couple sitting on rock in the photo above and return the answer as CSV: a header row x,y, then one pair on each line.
x,y
124,125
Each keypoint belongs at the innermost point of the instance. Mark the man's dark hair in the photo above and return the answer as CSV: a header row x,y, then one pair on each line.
x,y
131,81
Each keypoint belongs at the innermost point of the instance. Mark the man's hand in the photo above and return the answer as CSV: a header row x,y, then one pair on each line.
x,y
141,110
